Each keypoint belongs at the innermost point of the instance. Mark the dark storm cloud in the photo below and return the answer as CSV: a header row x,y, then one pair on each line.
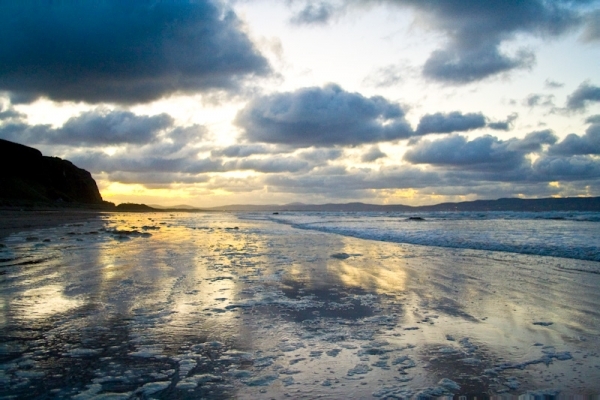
x,y
476,31
242,150
187,134
455,163
532,142
9,113
154,167
98,127
592,27
353,180
373,154
114,127
315,156
458,152
464,66
574,168
593,119
550,84
384,77
320,156
483,153
451,122
322,117
121,51
22,133
145,161
148,148
167,157
582,96
531,180
175,151
313,14
156,180
535,99
485,166
589,143
505,125
268,165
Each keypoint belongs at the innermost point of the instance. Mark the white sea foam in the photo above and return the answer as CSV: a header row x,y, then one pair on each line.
x,y
153,387
525,233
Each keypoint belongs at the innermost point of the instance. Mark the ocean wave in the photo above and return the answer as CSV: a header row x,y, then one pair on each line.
x,y
555,234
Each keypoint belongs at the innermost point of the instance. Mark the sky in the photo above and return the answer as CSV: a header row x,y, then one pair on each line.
x,y
210,103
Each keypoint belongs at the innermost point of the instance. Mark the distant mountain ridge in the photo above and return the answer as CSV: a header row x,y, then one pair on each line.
x,y
504,204
177,207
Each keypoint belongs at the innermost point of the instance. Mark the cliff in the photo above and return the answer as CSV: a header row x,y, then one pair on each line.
x,y
27,175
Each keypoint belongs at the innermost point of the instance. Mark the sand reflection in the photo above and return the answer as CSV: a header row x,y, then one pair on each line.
x,y
363,267
43,302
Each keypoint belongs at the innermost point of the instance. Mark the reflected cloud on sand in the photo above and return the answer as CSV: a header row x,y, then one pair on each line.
x,y
43,302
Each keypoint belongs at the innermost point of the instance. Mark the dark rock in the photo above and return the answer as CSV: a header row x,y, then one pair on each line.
x,y
25,174
340,256
134,207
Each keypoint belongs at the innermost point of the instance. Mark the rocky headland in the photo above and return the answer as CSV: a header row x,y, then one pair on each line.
x,y
29,178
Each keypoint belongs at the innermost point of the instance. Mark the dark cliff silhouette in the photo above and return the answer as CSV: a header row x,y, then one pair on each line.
x,y
27,175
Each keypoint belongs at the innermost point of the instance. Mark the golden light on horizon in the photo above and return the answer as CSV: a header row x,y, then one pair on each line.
x,y
116,191
391,196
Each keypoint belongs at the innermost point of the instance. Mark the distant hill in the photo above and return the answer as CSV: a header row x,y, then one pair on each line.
x,y
508,204
517,204
28,176
135,207
177,207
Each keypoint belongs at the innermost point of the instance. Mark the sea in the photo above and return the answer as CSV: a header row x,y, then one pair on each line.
x,y
303,305
558,234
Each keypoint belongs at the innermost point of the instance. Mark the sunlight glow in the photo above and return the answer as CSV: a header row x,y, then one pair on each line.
x,y
47,112
116,192
44,302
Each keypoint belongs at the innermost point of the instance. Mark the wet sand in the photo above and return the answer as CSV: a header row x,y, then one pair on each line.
x,y
17,220
152,305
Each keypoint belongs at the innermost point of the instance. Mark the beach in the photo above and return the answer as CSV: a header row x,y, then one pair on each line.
x,y
223,305
20,220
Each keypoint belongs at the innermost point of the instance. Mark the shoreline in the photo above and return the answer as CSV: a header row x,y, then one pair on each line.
x,y
21,220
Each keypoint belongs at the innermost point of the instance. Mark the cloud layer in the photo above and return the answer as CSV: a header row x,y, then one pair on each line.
x,y
587,144
477,30
154,152
483,153
121,51
98,127
326,141
451,122
325,116
585,94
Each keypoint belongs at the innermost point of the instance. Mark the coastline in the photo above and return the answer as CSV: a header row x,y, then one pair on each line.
x,y
21,220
